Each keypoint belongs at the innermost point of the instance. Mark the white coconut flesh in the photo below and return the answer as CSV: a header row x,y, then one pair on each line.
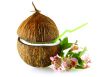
x,y
46,44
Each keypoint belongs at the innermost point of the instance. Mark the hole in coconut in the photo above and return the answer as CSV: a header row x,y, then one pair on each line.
x,y
38,44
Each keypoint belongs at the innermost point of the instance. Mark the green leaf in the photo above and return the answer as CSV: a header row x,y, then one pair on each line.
x,y
80,61
64,41
79,67
69,54
72,54
61,53
69,45
82,52
66,46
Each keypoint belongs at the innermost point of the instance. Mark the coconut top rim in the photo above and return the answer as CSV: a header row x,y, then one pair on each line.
x,y
38,44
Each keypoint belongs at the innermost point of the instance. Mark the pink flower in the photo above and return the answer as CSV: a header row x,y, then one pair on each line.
x,y
69,63
86,66
74,61
56,62
87,61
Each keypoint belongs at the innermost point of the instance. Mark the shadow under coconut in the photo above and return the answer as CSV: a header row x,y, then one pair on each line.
x,y
42,69
50,70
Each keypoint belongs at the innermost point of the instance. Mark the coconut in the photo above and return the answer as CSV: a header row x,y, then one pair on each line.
x,y
37,28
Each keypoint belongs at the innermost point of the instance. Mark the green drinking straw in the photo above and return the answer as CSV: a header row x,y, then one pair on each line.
x,y
70,31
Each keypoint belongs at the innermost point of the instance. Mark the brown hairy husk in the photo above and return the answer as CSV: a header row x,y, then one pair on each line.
x,y
37,56
38,28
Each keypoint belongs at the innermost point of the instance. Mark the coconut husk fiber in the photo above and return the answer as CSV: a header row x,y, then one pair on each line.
x,y
37,56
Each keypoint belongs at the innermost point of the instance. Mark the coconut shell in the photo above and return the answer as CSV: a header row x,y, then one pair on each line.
x,y
37,56
38,28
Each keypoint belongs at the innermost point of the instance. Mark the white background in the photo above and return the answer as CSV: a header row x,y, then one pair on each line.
x,y
67,14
